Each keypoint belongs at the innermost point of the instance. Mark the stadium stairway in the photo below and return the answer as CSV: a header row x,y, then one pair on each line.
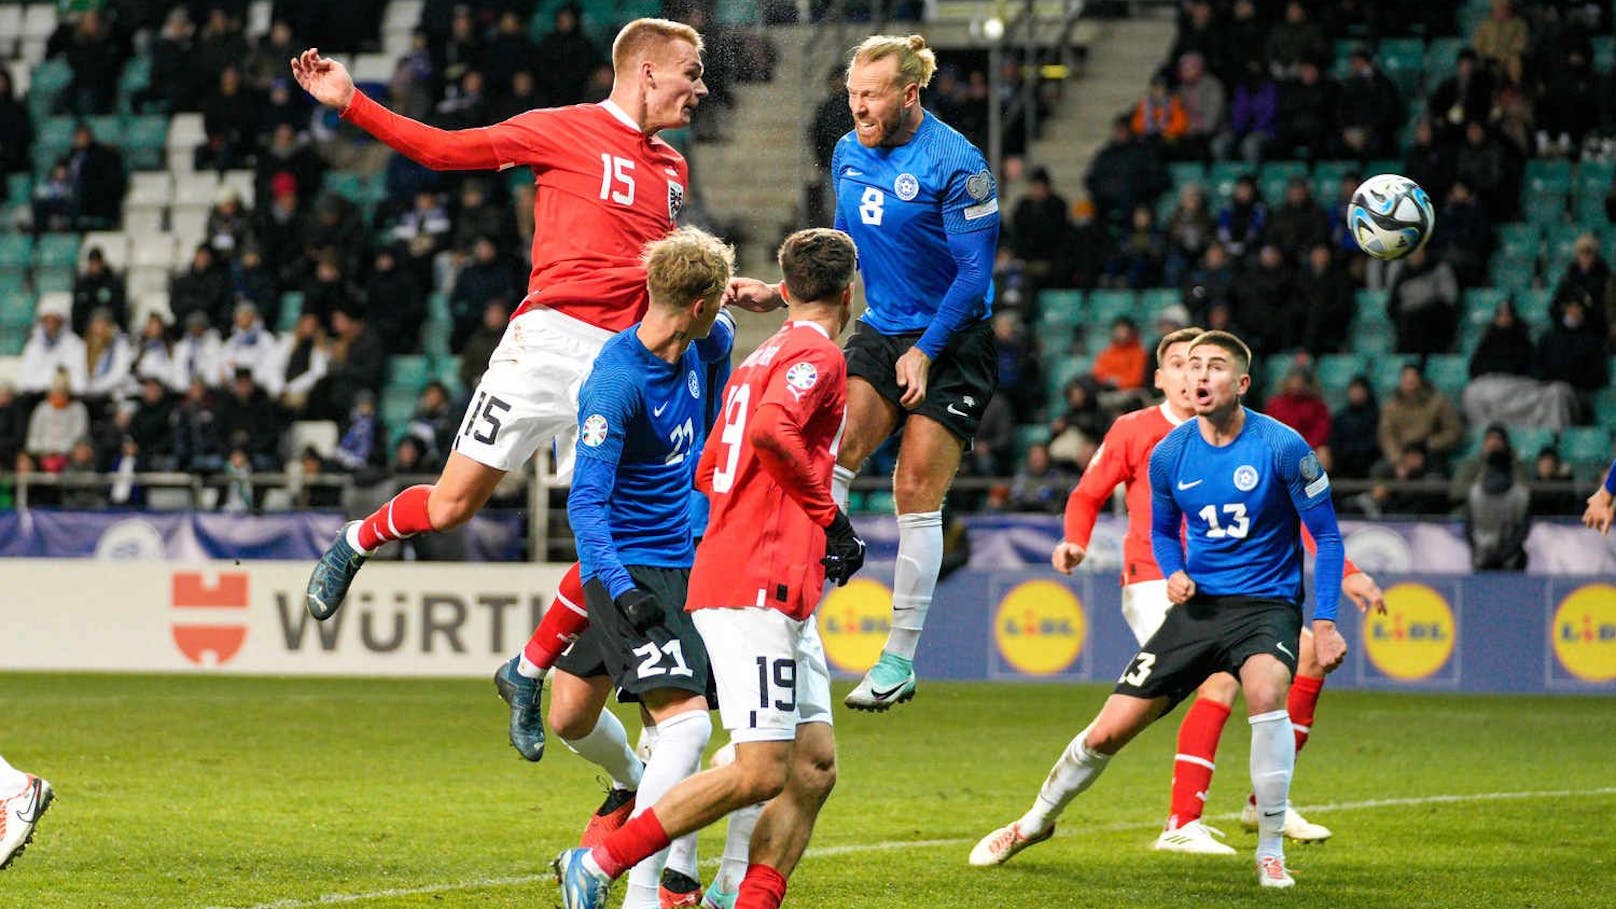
x,y
1122,54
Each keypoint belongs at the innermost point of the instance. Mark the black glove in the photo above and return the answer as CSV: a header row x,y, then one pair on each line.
x,y
641,608
844,551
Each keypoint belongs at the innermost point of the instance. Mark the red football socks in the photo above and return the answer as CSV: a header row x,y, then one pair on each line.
x,y
1303,701
1192,767
404,515
562,623
638,839
762,888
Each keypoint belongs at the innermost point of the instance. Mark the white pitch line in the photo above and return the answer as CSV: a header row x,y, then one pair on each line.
x,y
333,899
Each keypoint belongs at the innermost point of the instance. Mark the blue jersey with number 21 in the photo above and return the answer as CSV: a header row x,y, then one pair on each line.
x,y
1240,505
641,425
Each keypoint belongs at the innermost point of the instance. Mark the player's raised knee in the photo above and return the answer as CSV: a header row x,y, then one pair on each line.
x,y
570,724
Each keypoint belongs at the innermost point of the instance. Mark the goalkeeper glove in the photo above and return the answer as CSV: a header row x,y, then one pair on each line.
x,y
641,609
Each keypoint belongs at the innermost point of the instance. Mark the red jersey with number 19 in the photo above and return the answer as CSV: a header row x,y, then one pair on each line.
x,y
763,546
604,190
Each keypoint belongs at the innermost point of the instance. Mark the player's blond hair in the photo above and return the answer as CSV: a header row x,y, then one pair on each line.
x,y
1225,341
1187,333
687,265
916,61
637,37
817,264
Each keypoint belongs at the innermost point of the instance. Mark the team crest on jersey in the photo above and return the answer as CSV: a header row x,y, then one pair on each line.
x,y
906,186
676,201
1245,478
1313,475
979,185
800,377
692,383
594,431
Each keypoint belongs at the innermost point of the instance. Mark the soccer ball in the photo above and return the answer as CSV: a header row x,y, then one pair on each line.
x,y
1390,216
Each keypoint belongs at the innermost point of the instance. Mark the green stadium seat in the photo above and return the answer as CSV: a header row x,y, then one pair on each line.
x,y
1532,306
12,343
1373,338
1369,306
437,306
1442,58
1336,371
19,188
1544,208
409,371
56,251
49,80
136,75
1104,306
1585,445
1521,239
16,251
1327,176
435,337
1388,369
1605,408
1062,371
1403,61
145,141
1449,372
1028,435
1470,334
397,407
13,283
291,308
16,312
1511,272
1481,302
1548,175
1383,166
1151,303
1184,172
447,371
1529,440
1559,243
348,185
52,280
878,501
1604,53
1220,180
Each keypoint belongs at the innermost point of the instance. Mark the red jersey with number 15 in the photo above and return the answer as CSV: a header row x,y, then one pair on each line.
x,y
761,547
604,190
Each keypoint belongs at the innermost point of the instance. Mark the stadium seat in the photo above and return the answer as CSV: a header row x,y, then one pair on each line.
x,y
1449,372
437,306
1604,53
1442,58
150,190
145,141
185,133
1057,309
1548,176
55,251
1403,61
46,84
435,338
242,181
1388,369
1533,306
1373,338
1104,306
188,224
137,221
348,185
1529,440
152,251
447,371
1520,239
1151,303
51,280
397,407
146,303
1584,445
321,435
1480,303
410,371
1336,371
16,313
1510,273
16,251
1327,176
291,309
1184,172
1369,305
114,246
1220,180
146,279
1056,377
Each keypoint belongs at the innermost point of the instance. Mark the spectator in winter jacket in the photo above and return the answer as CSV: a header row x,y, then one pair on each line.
x,y
1253,112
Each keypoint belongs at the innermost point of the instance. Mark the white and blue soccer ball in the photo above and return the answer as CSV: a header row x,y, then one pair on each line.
x,y
1390,216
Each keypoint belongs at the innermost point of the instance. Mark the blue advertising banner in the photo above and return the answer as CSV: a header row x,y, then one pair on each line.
x,y
1480,633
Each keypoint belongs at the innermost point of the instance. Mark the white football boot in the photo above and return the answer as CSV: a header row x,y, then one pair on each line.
x,y
1297,828
999,846
1271,872
1193,838
18,815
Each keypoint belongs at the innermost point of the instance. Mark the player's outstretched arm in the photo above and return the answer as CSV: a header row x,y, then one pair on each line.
x,y
1107,469
439,149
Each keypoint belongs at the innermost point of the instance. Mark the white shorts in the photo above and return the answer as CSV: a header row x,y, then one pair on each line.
x,y
528,396
798,681
1144,608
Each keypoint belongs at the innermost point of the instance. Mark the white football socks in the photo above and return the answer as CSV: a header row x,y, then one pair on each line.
x,y
606,746
680,740
1076,771
12,780
528,669
1273,758
914,578
841,481
737,847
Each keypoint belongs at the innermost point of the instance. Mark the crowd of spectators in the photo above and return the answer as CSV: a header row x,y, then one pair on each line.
x,y
1247,83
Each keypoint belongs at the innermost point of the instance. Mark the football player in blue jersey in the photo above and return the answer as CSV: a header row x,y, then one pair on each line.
x,y
1237,484
921,203
642,418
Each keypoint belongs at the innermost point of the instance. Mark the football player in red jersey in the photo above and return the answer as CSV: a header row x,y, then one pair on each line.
x,y
606,186
1124,458
767,472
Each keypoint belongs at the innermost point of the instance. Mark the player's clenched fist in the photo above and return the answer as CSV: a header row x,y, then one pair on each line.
x,y
1180,588
844,551
1328,645
1067,556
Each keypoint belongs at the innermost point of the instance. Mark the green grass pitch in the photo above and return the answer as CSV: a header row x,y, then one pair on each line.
x,y
229,792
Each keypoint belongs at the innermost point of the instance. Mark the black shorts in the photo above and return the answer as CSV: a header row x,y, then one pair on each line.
x,y
958,386
668,655
1208,635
